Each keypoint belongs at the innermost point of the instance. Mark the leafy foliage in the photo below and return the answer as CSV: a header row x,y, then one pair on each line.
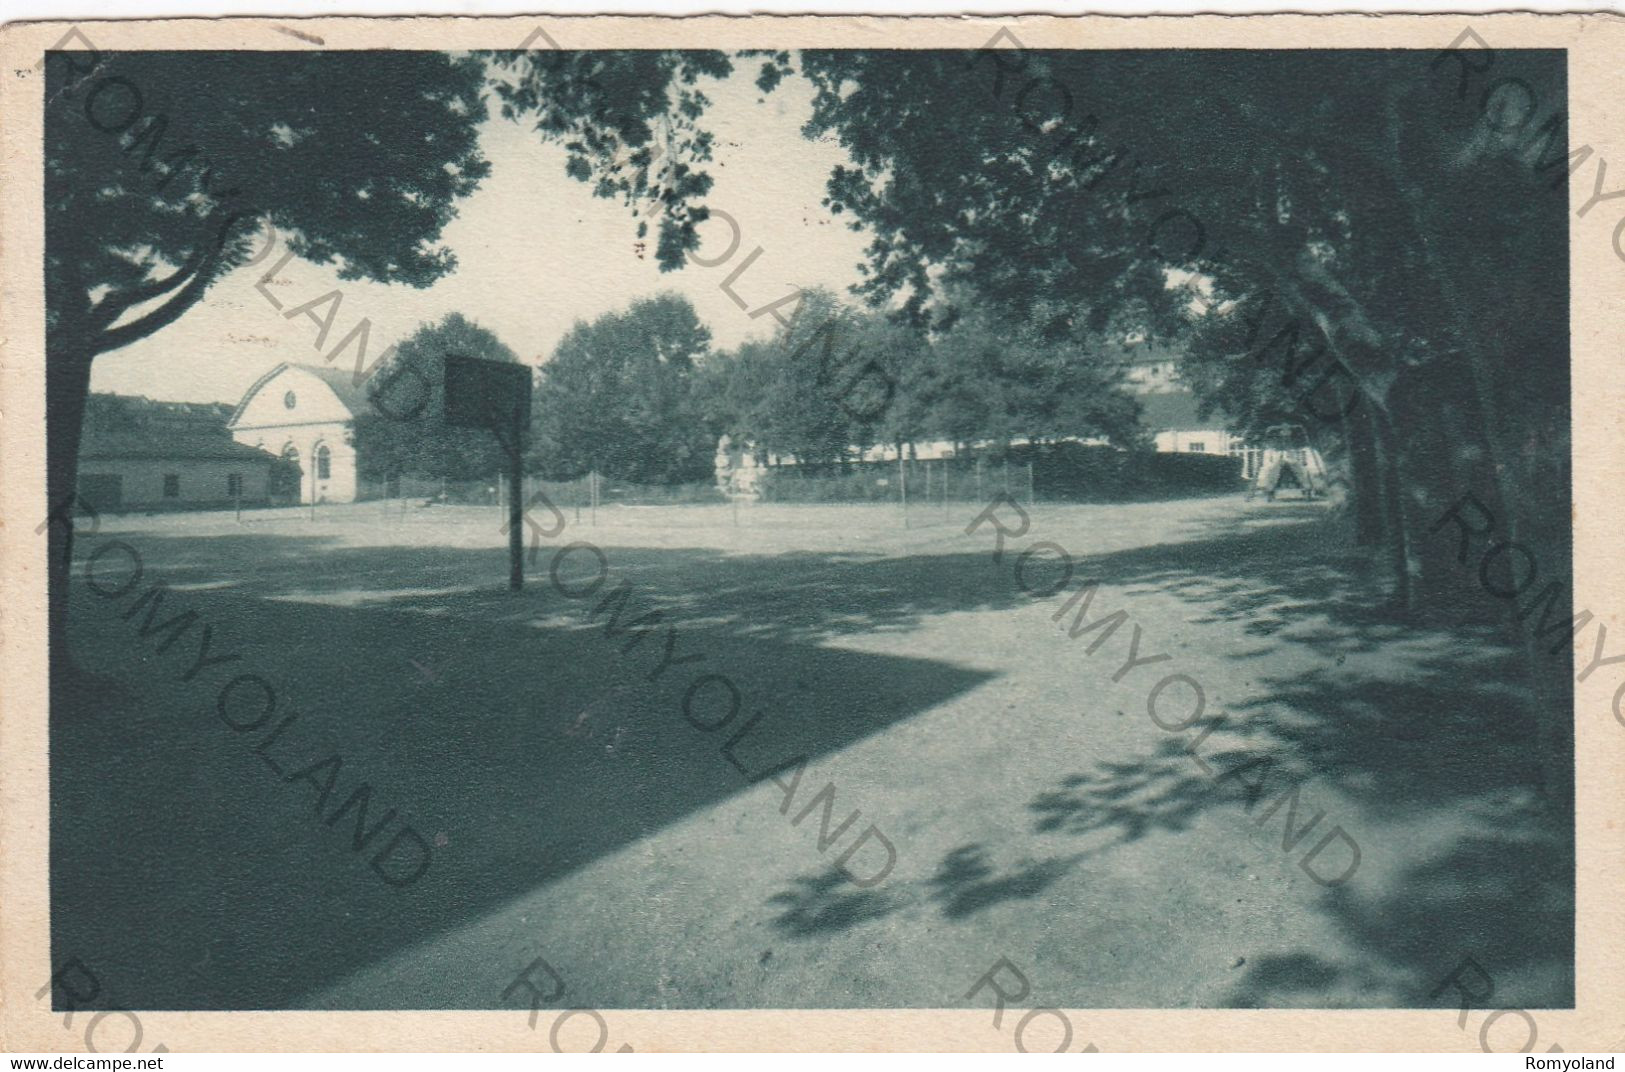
x,y
629,123
618,396
406,433
160,167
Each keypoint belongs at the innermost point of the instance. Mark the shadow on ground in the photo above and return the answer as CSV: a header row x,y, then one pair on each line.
x,y
511,731
199,878
1428,729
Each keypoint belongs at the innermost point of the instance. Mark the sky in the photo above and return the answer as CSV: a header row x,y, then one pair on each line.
x,y
536,252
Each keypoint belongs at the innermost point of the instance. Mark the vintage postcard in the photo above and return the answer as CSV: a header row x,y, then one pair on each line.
x,y
806,533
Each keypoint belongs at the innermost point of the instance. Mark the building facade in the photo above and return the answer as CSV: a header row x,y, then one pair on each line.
x,y
1172,416
305,415
138,454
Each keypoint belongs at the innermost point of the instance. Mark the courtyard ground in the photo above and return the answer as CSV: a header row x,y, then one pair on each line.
x,y
1051,801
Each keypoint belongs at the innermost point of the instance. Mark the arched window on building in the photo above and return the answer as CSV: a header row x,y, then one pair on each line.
x,y
324,463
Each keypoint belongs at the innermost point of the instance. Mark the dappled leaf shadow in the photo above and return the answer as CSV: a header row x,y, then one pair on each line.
x,y
1164,791
1427,728
1505,901
818,904
965,882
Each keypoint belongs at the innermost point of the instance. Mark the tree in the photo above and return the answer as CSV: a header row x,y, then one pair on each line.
x,y
619,396
1356,214
407,434
821,388
989,379
160,168
628,120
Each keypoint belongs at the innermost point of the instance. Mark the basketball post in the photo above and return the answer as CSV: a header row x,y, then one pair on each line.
x,y
902,484
516,507
495,395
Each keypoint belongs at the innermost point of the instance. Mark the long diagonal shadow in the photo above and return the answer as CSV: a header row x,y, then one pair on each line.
x,y
520,740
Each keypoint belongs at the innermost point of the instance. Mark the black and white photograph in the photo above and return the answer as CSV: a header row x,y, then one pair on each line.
x,y
814,515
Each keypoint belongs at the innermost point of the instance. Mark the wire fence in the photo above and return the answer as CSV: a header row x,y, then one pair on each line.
x,y
918,491
911,485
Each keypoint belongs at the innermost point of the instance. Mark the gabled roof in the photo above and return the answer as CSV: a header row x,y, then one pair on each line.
x,y
171,444
354,396
1165,411
125,426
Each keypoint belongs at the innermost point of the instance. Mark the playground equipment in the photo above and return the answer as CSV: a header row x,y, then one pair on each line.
x,y
1288,456
738,475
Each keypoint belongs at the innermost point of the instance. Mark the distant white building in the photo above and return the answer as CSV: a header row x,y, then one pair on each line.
x,y
305,414
1170,412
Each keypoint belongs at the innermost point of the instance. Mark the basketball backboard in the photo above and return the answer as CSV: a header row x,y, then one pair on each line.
x,y
486,394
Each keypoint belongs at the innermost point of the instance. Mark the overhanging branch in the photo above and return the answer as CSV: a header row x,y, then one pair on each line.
x,y
116,305
161,317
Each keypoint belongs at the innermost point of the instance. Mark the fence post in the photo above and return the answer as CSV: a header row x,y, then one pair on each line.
x,y
902,483
978,478
1030,483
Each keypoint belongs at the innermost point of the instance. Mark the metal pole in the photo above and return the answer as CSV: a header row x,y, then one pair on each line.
x,y
978,478
516,520
594,486
1029,483
902,483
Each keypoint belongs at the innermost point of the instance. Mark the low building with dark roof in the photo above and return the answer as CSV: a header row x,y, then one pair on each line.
x,y
136,453
1171,413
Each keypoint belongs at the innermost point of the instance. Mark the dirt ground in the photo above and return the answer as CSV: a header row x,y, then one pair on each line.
x,y
1347,816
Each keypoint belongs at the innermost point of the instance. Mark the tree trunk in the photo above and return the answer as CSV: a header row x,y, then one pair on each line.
x,y
67,383
1393,515
1365,489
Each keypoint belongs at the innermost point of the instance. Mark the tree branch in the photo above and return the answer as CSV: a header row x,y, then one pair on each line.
x,y
163,316
114,306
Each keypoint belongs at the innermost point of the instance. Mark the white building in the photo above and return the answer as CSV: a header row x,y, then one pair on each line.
x,y
305,414
1170,412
